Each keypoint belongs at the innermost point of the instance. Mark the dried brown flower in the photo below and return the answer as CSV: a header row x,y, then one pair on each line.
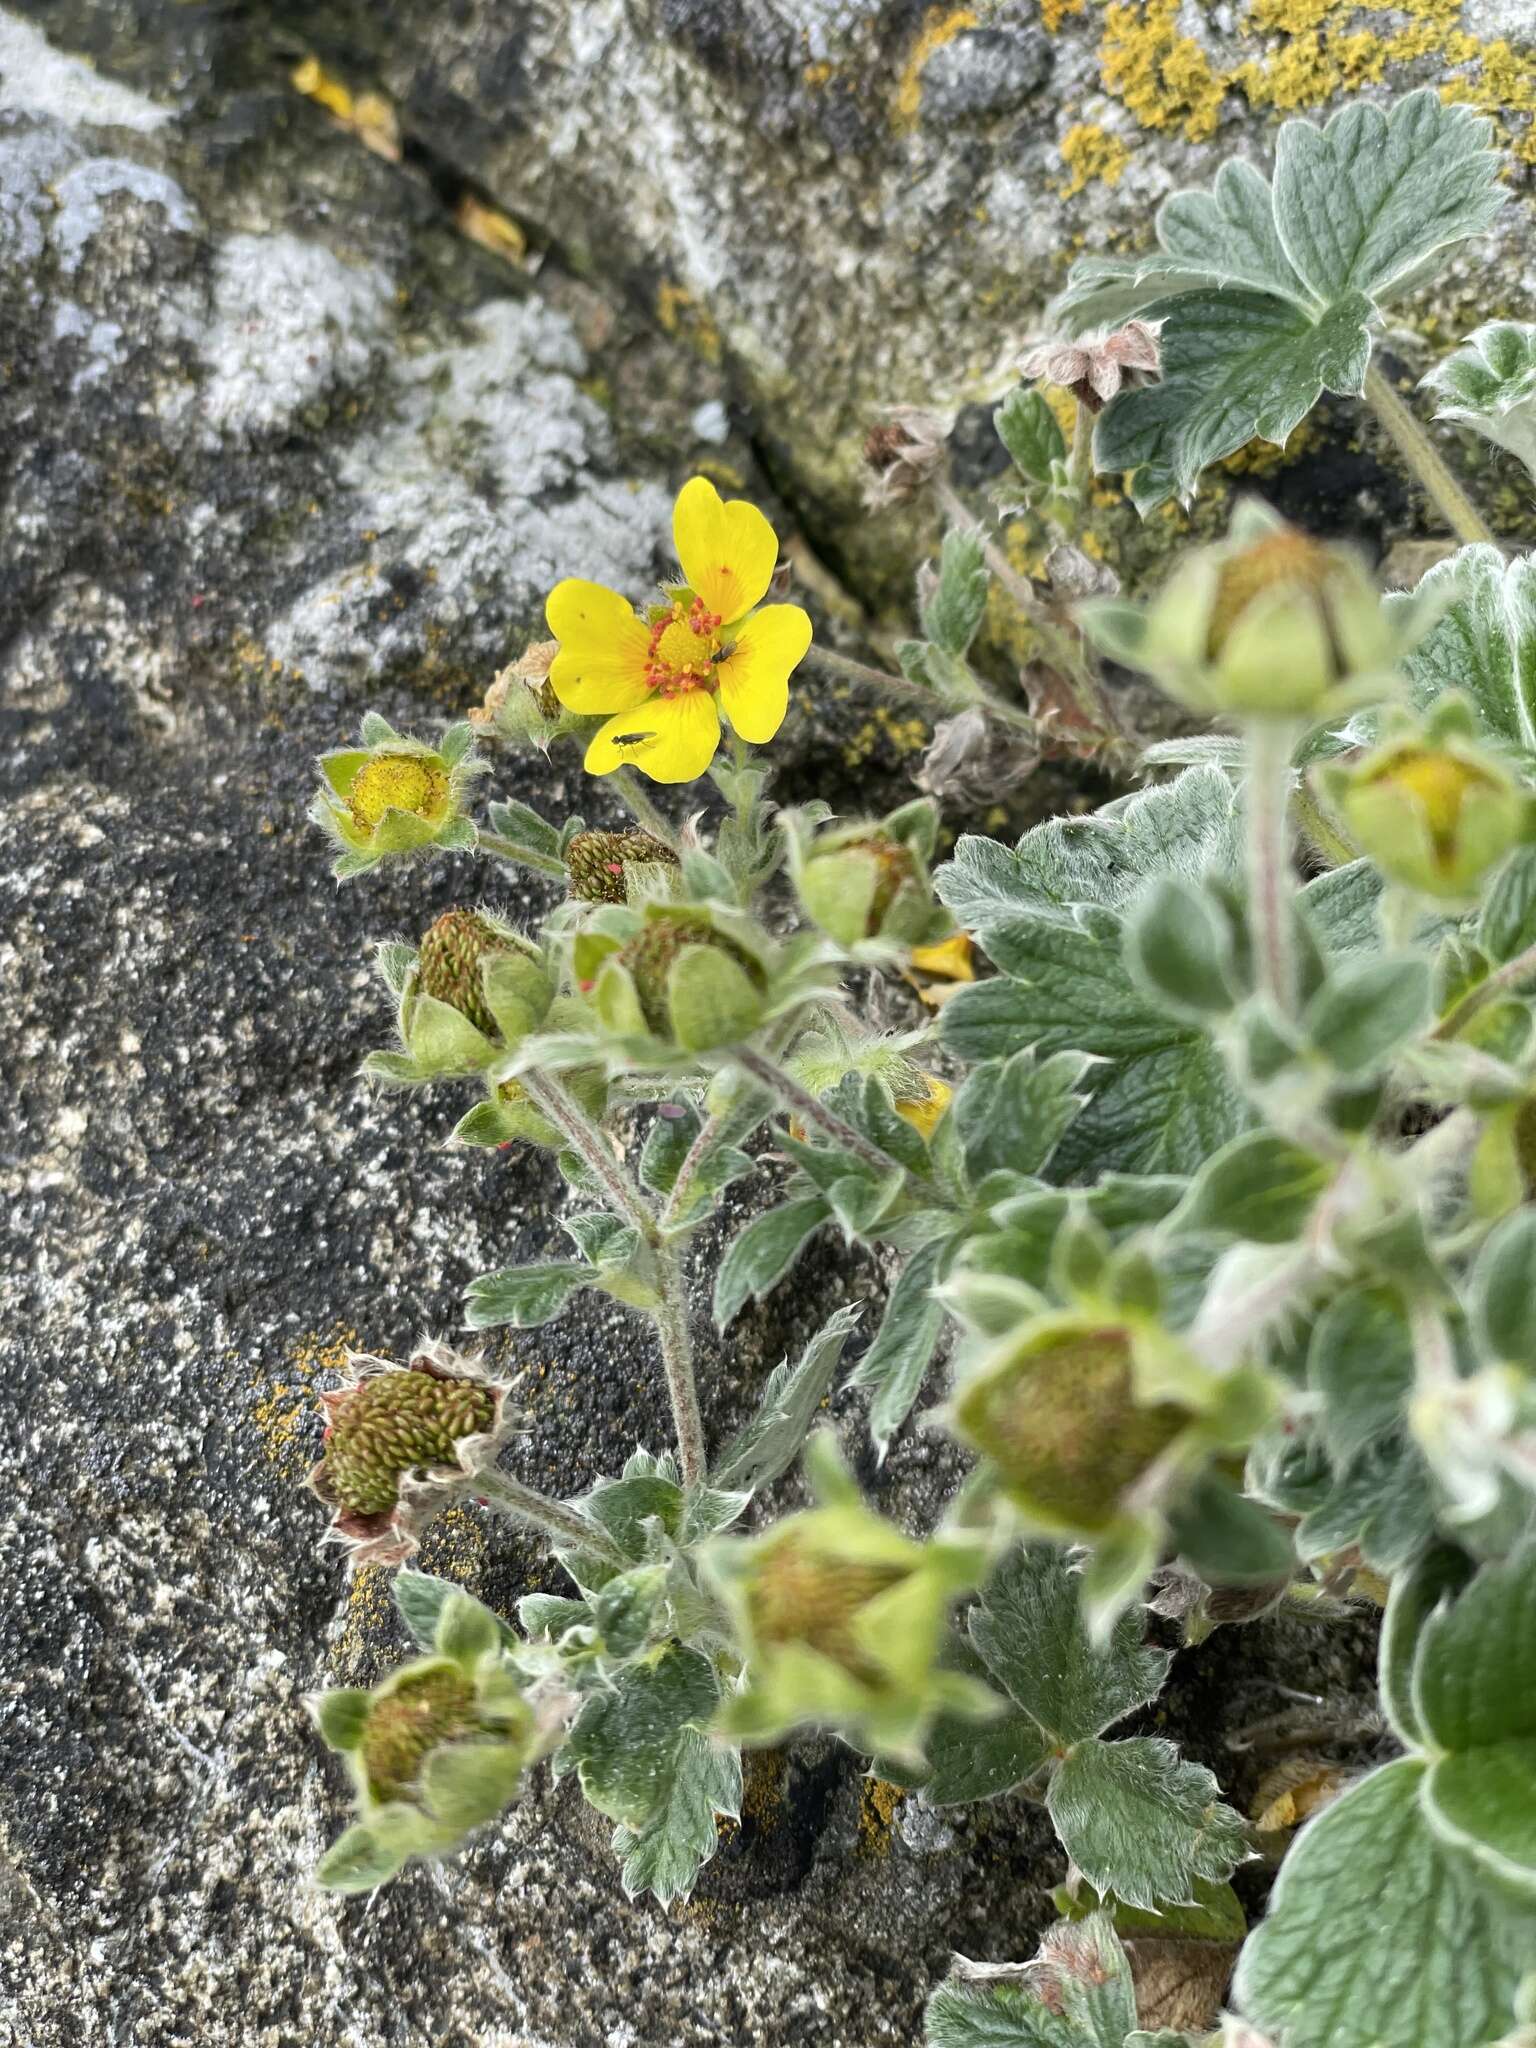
x,y
1095,369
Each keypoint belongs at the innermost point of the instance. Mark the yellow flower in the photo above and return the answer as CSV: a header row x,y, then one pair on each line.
x,y
922,1112
660,677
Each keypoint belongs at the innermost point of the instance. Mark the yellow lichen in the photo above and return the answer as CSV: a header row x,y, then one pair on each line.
x,y
877,1816
940,26
680,313
1091,152
284,1406
1054,12
1163,78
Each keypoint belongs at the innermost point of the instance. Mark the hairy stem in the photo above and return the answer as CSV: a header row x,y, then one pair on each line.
x,y
508,849
631,793
677,1362
1510,975
583,1136
1424,459
509,1496
916,693
1271,878
1063,648
1080,464
812,1111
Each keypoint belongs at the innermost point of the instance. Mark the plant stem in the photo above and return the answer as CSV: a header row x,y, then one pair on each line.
x,y
573,1123
1080,464
917,693
1064,648
1434,1355
1424,459
677,1363
509,1496
645,814
1324,836
1271,878
508,849
1521,968
812,1111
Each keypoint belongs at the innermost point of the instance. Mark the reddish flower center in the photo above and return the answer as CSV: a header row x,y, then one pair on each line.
x,y
685,648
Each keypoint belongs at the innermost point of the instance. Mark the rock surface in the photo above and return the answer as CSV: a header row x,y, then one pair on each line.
x,y
276,442
856,202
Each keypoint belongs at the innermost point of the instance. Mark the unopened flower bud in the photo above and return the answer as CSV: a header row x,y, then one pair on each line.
x,y
865,882
427,1707
1435,816
799,1596
1056,1413
395,795
1267,624
596,862
450,960
657,948
401,782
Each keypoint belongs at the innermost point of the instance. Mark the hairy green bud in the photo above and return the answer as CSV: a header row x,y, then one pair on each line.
x,y
596,863
451,956
655,950
1057,1414
426,1707
1436,814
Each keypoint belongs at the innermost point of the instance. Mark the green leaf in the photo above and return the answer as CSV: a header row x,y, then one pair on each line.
x,y
1317,1970
759,1256
1076,1994
625,1742
865,1102
1489,384
665,1857
523,1296
1029,430
969,1759
1011,1114
1230,1541
361,1859
602,1238
1142,1822
1503,1290
1163,1102
1474,1687
1381,1502
769,1444
624,1506
341,1715
896,1364
1260,1187
1179,949
1366,203
523,826
1187,827
1416,1593
1360,1360
667,1144
1506,925
1236,365
1368,1009
1028,1628
1341,907
1485,643
954,612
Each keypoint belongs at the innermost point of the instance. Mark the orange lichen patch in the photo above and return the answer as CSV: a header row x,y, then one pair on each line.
x,y
366,1642
940,26
877,1816
491,228
283,1407
1091,152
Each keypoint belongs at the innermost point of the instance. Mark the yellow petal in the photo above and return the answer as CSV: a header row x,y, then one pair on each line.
x,y
603,646
671,739
727,549
754,677
949,959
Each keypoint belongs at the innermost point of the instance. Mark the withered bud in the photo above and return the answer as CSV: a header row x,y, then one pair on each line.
x,y
901,452
1097,369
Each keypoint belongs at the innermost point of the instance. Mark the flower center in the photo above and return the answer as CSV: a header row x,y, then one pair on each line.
x,y
685,646
397,782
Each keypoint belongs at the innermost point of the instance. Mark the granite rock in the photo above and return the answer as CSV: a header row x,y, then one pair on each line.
x,y
276,442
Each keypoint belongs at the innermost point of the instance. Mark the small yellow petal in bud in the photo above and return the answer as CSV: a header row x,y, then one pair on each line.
x,y
922,1112
949,960
1284,558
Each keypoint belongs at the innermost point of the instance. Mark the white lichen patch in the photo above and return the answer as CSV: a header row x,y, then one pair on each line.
x,y
81,197
290,322
36,78
482,484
